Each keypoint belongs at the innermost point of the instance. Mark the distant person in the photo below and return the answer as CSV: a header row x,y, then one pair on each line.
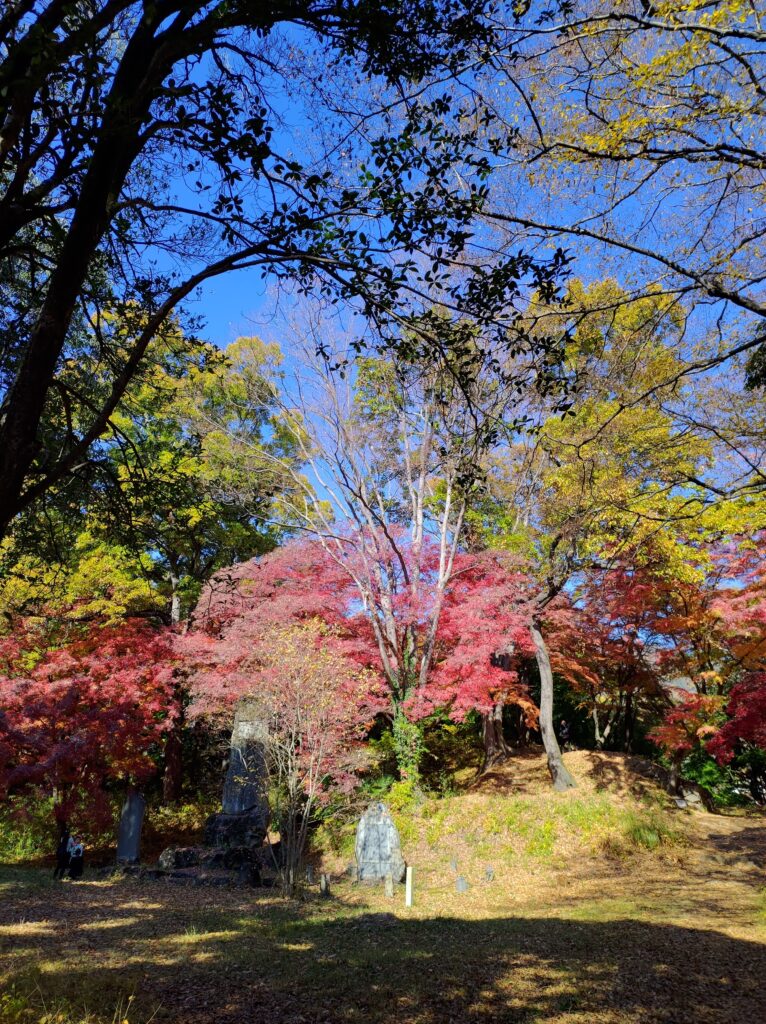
x,y
76,861
63,853
564,733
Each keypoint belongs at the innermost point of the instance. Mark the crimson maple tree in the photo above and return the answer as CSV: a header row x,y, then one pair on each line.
x,y
746,723
84,717
481,633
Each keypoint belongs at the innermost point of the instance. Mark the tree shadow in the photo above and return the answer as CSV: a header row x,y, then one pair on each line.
x,y
746,847
315,964
621,773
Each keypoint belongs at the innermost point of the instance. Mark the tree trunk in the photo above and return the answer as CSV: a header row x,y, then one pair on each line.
x,y
175,599
629,717
674,776
495,747
172,779
599,739
562,780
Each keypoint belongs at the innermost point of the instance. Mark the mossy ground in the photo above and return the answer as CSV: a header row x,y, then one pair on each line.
x,y
584,922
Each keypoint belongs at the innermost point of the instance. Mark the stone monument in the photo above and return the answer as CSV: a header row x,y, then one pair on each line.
x,y
129,833
378,850
233,838
244,816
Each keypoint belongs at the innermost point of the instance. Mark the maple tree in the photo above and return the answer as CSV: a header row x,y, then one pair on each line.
x,y
484,615
603,641
746,711
483,642
86,716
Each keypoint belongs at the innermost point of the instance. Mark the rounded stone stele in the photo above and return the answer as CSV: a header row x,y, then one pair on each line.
x,y
378,848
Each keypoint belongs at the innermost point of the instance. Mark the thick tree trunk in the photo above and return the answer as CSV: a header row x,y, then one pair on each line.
x,y
674,776
495,747
562,780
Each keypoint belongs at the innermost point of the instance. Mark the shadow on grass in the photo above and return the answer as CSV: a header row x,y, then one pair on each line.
x,y
247,961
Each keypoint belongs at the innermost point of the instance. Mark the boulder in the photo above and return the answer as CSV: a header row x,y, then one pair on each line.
x,y
175,857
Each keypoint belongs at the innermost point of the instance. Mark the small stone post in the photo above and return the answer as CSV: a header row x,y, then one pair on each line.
x,y
324,885
389,882
408,887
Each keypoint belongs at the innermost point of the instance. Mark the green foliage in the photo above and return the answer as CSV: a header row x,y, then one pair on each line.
x,y
169,821
335,833
542,841
378,786
649,830
26,832
724,783
403,795
408,744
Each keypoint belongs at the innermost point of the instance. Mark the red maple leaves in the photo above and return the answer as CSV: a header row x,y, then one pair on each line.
x,y
84,716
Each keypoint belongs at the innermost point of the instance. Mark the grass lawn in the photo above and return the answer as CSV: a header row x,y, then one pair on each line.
x,y
674,935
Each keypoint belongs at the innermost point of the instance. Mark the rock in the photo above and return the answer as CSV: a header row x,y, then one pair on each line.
x,y
179,857
461,884
237,830
489,874
237,857
680,803
378,849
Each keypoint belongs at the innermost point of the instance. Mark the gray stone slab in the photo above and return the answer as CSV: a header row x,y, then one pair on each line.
x,y
129,832
378,848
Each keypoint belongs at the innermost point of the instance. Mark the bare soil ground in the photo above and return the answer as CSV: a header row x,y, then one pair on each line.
x,y
563,933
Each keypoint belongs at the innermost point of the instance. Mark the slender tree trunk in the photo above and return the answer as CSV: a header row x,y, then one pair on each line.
x,y
175,598
629,717
562,780
172,778
495,747
674,775
599,739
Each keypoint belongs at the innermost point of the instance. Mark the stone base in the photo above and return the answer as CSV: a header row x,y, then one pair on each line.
x,y
245,830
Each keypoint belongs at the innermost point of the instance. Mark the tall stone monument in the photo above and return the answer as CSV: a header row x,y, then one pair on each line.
x,y
129,833
378,849
244,816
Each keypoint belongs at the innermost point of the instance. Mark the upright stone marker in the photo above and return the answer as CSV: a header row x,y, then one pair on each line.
x,y
244,816
244,786
129,833
378,849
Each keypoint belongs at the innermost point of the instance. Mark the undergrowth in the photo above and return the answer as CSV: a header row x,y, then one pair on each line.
x,y
536,828
17,1007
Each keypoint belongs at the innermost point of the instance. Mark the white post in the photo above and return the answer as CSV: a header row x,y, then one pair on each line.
x,y
408,887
